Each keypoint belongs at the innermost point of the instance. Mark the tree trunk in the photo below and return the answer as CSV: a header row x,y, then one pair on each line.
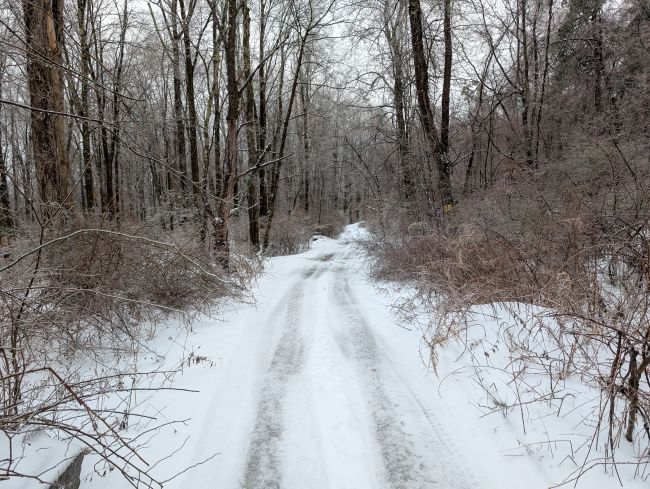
x,y
525,89
25,178
405,166
264,199
446,79
304,101
542,94
635,373
600,63
191,103
394,39
424,103
216,74
251,139
230,167
44,37
108,200
207,213
114,159
88,181
179,135
6,219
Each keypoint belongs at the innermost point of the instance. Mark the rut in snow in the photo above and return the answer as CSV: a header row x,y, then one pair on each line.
x,y
412,449
405,466
262,468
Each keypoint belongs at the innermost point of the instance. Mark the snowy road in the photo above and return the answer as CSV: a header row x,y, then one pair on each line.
x,y
316,386
333,408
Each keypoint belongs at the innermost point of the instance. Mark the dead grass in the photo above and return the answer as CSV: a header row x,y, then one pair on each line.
x,y
95,290
573,237
291,233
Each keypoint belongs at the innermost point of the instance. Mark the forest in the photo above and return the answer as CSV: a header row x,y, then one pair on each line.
x,y
155,154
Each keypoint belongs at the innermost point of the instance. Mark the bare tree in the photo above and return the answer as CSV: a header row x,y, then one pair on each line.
x,y
230,168
44,30
436,144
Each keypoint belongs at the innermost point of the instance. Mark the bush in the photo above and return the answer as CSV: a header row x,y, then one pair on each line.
x,y
87,291
291,234
572,237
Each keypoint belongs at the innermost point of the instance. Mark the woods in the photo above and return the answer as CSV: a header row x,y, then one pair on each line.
x,y
154,153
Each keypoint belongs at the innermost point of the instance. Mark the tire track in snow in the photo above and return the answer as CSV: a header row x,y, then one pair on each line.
x,y
406,467
262,468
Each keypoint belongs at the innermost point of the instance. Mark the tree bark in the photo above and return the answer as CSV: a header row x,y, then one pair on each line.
x,y
230,167
251,139
84,109
179,136
392,33
446,79
44,38
216,74
424,103
190,100
6,219
264,198
542,94
525,89
304,101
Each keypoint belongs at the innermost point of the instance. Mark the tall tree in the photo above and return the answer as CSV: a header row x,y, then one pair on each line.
x,y
6,219
426,111
44,28
305,103
446,78
230,168
179,134
84,104
261,76
393,19
192,122
251,137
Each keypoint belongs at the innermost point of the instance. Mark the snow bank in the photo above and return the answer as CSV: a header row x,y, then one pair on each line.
x,y
506,373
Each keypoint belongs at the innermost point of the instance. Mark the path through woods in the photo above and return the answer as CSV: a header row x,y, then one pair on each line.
x,y
319,385
314,386
334,404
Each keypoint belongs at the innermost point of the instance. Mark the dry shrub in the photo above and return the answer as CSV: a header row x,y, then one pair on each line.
x,y
291,233
90,291
98,276
573,237
464,265
134,266
531,237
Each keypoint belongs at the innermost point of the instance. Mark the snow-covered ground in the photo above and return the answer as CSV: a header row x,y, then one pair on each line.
x,y
318,385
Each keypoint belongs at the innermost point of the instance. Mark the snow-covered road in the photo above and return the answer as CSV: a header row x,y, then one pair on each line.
x,y
315,397
315,386
318,386
333,410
